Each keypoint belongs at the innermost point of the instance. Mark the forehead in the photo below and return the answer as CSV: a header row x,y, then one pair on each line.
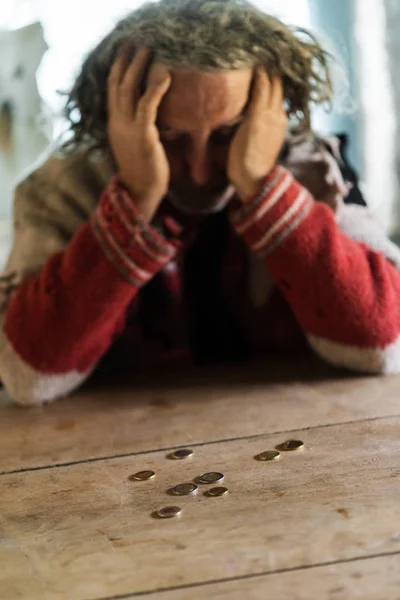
x,y
202,100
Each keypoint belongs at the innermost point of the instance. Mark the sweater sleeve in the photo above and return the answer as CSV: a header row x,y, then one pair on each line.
x,y
344,292
60,321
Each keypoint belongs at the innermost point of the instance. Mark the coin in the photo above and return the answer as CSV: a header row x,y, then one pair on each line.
x,y
168,511
290,445
184,489
181,453
268,455
217,491
142,476
211,477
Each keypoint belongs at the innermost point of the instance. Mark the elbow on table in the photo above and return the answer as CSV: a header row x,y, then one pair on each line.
x,y
29,387
378,360
39,389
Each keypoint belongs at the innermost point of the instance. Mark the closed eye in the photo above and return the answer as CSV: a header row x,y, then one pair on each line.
x,y
170,136
224,134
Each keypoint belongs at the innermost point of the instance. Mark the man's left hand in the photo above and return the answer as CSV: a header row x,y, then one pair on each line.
x,y
258,141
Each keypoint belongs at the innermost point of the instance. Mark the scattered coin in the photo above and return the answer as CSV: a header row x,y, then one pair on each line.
x,y
181,453
290,445
268,455
184,489
142,476
210,477
168,511
217,491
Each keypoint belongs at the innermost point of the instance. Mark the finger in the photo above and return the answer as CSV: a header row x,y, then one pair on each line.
x,y
129,90
115,77
158,86
261,91
277,94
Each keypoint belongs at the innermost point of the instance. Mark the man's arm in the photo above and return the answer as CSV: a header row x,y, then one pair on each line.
x,y
65,296
59,322
344,292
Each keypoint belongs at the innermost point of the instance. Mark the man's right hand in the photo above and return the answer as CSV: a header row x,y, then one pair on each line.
x,y
142,163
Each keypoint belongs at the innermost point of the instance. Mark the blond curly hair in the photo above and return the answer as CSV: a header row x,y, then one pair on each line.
x,y
204,35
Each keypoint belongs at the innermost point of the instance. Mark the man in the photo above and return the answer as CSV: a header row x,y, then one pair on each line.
x,y
171,233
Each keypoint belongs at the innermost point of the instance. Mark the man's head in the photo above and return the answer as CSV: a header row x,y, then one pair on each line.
x,y
211,49
196,120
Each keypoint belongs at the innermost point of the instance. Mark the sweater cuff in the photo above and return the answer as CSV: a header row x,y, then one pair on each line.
x,y
266,220
136,250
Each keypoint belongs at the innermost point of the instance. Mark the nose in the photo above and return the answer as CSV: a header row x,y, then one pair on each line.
x,y
199,161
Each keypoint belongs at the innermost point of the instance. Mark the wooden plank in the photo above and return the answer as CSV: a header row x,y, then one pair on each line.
x,y
193,408
370,579
86,531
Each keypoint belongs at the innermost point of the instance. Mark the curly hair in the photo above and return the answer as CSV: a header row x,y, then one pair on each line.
x,y
205,35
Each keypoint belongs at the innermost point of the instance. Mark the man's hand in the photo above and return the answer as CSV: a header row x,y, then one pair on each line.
x,y
132,131
256,145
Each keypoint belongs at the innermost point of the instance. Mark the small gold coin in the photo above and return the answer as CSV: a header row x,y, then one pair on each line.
x,y
268,455
290,445
217,491
211,477
168,512
181,453
184,489
142,476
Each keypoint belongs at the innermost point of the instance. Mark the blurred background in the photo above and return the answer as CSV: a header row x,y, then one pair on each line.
x,y
43,42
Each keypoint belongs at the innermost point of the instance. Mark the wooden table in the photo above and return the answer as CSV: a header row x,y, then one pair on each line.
x,y
322,522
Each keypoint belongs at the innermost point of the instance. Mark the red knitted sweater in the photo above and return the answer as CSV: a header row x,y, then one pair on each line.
x,y
125,295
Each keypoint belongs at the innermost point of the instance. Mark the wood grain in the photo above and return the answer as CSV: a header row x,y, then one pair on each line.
x,y
86,531
183,409
371,579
